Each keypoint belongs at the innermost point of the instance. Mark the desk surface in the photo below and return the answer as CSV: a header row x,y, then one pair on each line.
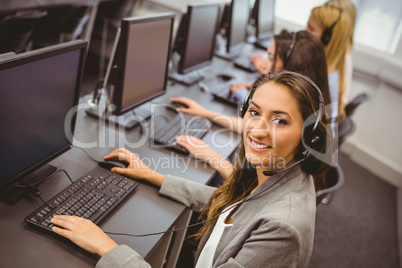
x,y
143,212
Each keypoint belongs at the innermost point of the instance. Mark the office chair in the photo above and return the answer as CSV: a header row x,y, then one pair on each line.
x,y
359,99
16,30
346,127
334,180
73,27
60,25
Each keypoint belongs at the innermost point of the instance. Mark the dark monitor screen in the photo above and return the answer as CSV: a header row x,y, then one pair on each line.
x,y
38,89
239,16
195,41
264,12
141,61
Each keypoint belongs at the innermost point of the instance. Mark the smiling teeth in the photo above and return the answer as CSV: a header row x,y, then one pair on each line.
x,y
259,145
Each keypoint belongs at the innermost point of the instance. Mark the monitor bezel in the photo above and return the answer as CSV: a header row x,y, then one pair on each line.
x,y
229,47
117,97
185,21
39,54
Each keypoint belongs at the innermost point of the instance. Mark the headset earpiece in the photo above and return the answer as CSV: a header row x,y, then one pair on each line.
x,y
244,107
327,34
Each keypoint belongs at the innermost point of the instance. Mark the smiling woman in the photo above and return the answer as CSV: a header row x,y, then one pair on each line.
x,y
272,128
253,218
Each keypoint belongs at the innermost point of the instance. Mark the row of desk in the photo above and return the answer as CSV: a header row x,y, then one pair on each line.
x,y
143,212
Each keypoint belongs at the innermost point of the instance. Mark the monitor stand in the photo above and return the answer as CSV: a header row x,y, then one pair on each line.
x,y
221,50
227,55
187,79
19,189
127,121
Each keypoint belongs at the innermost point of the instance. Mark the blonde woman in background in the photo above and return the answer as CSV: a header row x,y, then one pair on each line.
x,y
349,8
333,27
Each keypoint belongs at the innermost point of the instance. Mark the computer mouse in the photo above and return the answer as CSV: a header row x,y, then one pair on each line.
x,y
173,105
225,77
110,163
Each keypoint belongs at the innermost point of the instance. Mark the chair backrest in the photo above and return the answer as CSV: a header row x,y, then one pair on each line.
x,y
346,127
62,24
116,10
359,99
334,180
74,24
16,30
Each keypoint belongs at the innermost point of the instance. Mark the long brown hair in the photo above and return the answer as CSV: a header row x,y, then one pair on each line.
x,y
244,177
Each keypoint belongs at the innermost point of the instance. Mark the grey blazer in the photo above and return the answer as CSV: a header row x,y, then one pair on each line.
x,y
273,228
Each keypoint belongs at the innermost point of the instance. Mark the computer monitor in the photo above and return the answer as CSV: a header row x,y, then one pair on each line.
x,y
263,15
195,42
139,69
38,89
233,29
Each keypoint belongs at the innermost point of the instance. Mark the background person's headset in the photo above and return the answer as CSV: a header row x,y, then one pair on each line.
x,y
327,33
313,139
289,52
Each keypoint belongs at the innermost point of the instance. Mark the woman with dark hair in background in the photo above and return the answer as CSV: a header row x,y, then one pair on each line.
x,y
297,52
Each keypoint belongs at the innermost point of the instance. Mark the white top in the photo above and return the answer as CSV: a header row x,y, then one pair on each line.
x,y
348,78
207,254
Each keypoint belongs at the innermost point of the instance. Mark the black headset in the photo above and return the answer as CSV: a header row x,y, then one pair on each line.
x,y
326,35
289,52
313,139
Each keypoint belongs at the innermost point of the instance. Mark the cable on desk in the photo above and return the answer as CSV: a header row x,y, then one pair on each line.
x,y
36,192
90,157
198,223
97,93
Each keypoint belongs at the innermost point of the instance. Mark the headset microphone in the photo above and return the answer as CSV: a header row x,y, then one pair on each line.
x,y
270,173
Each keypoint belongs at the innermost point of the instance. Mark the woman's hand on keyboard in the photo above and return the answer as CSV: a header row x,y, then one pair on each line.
x,y
136,168
202,151
235,87
260,64
84,233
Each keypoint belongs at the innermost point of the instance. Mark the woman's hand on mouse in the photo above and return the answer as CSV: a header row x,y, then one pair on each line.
x,y
192,107
136,168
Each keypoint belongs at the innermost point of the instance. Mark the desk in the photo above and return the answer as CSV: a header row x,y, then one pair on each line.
x,y
143,212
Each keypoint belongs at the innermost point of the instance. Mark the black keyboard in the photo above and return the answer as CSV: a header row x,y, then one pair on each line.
x,y
92,196
181,124
216,86
245,64
220,90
